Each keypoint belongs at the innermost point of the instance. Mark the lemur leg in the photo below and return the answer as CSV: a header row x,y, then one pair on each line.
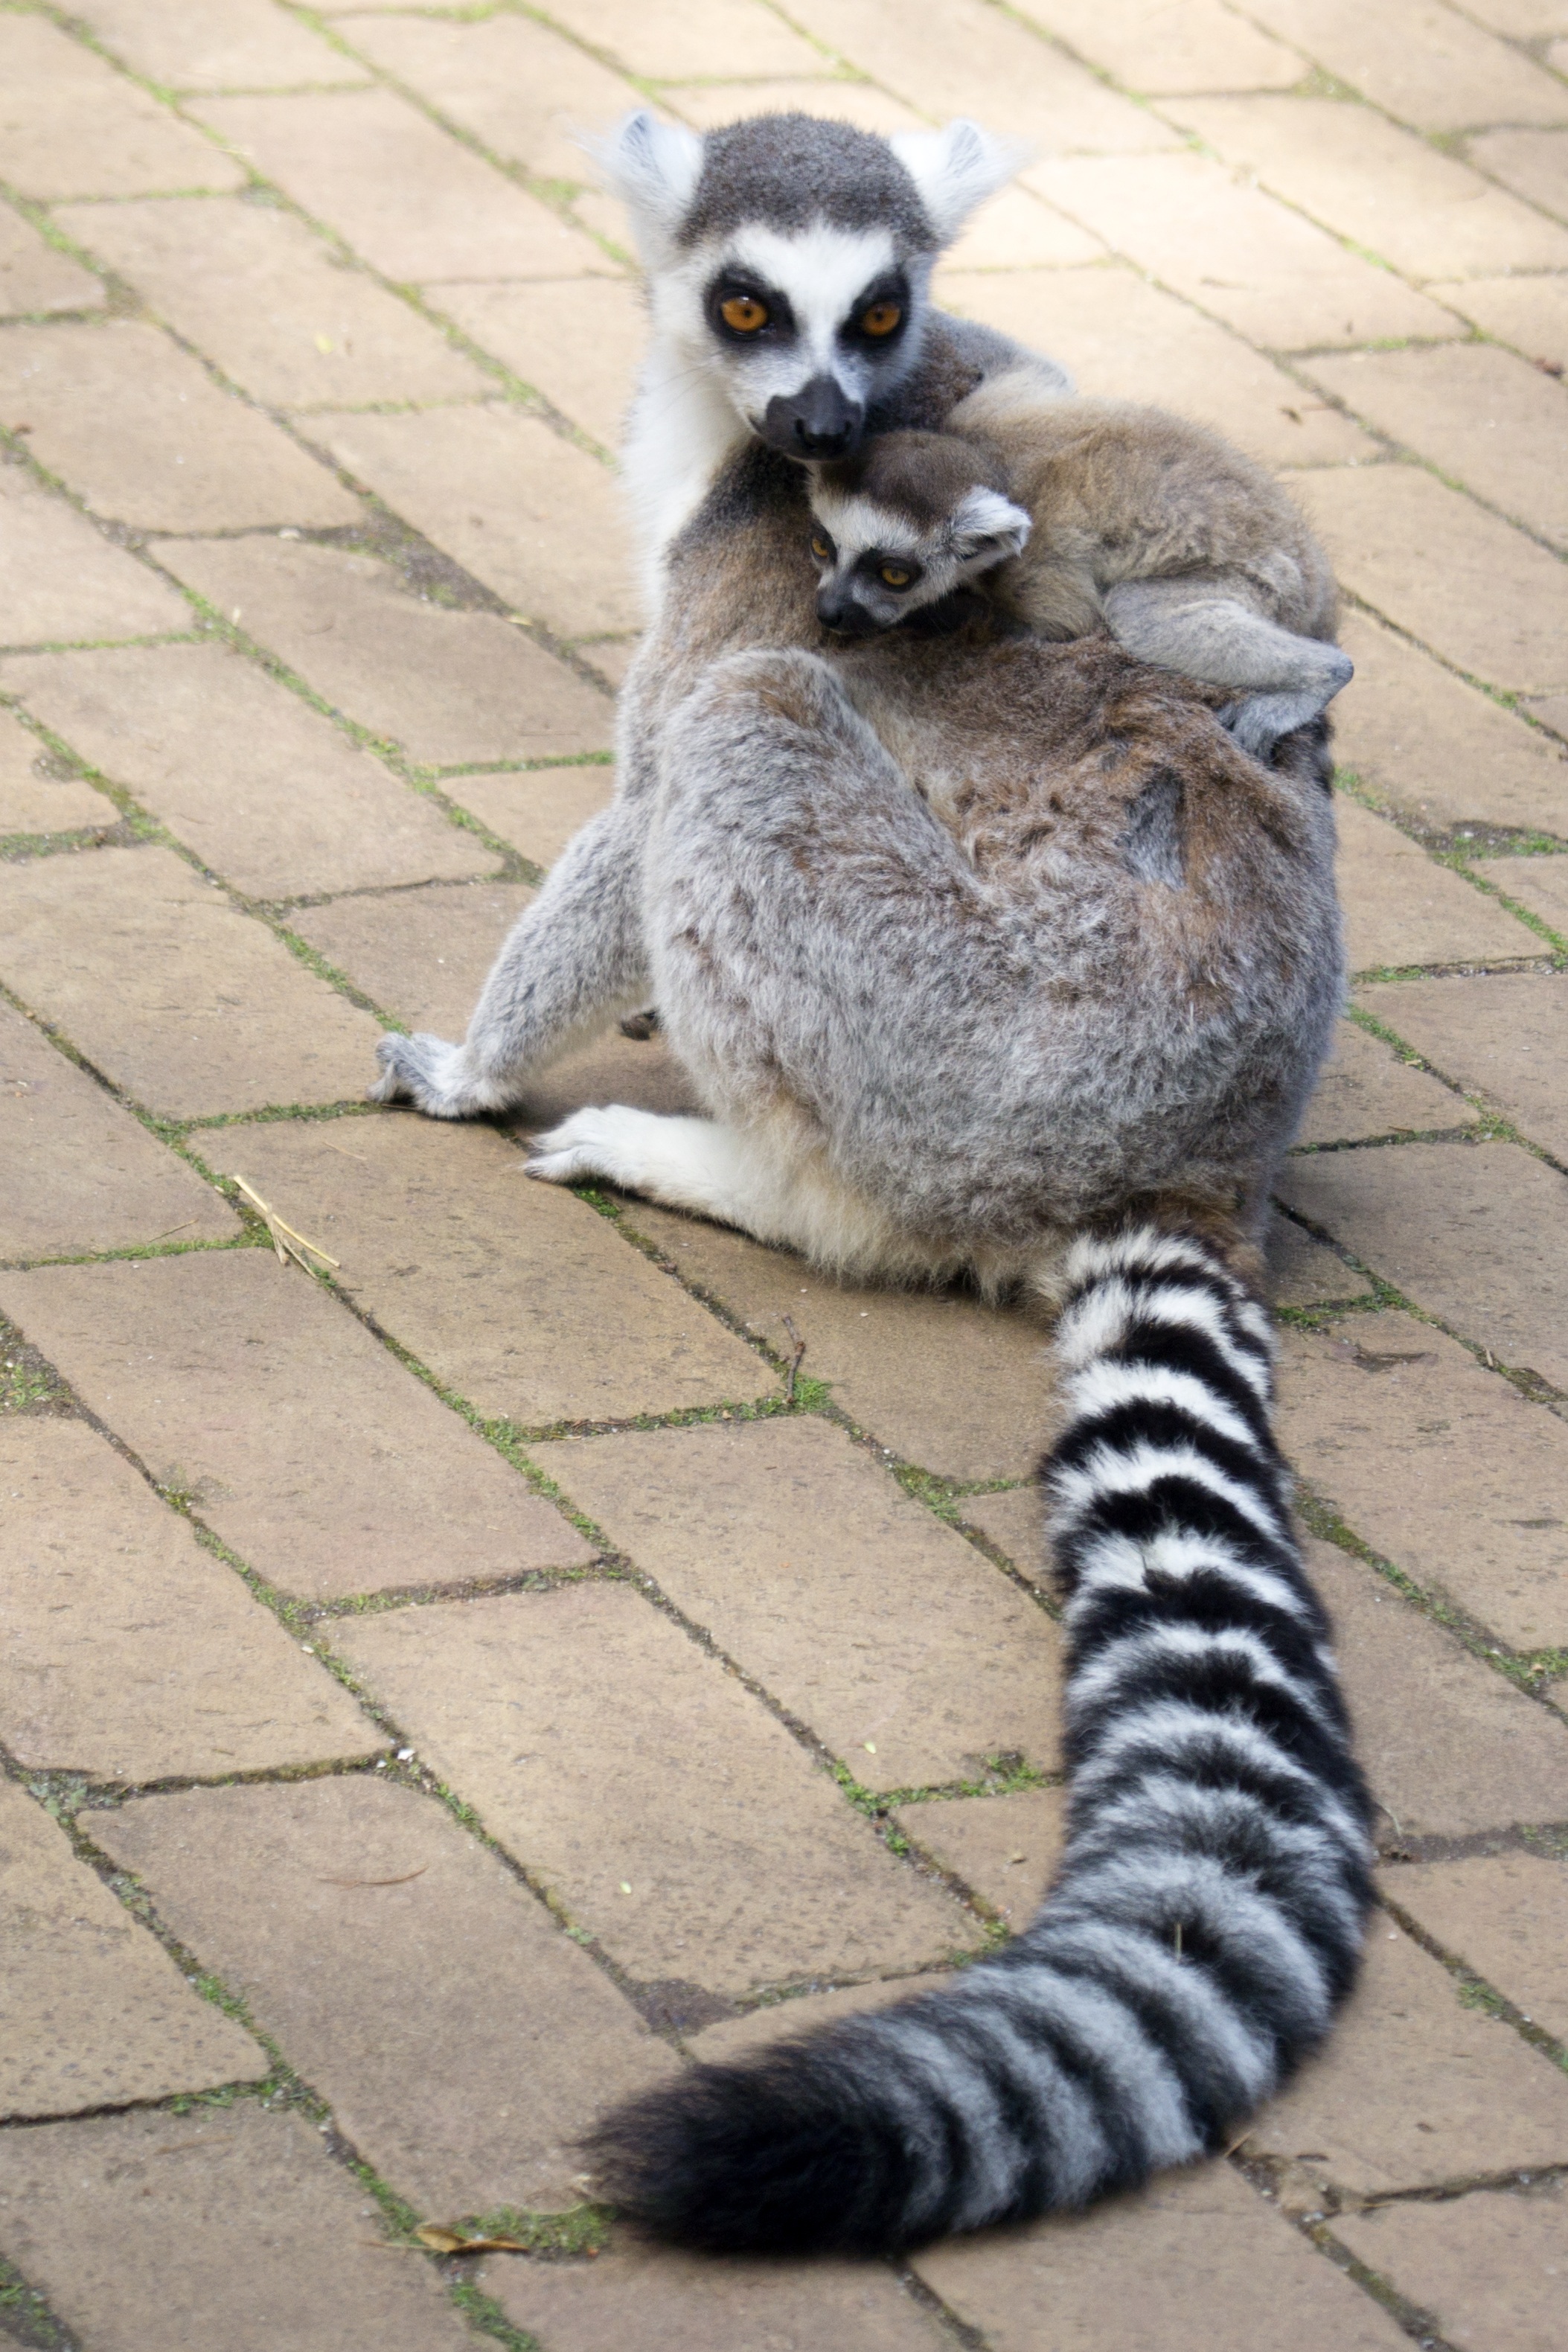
x,y
1193,626
570,963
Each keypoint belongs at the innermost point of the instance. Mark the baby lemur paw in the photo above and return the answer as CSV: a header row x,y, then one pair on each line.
x,y
590,1143
433,1075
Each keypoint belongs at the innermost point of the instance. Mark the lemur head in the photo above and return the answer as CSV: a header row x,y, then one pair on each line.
x,y
903,524
789,259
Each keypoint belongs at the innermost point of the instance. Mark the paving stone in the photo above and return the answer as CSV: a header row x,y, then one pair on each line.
x,y
61,580
1468,1232
1538,883
663,2302
302,1442
707,105
607,1751
1533,164
92,2010
1524,20
1430,560
1014,1520
129,1653
577,340
445,686
1367,1090
611,657
141,433
1302,1272
1199,2262
33,800
1531,313
1386,189
711,38
1417,60
1414,2088
1016,230
1492,2264
523,92
1550,710
1479,1511
225,45
71,126
1423,741
1506,1916
1401,907
334,1908
774,2021
1505,1037
271,302
1483,417
531,515
420,955
1005,1848
909,1655
1150,47
37,276
1450,1747
403,193
516,1295
538,810
1203,231
174,2232
961,1388
191,1007
645,1075
1124,339
966,58
78,1174
264,789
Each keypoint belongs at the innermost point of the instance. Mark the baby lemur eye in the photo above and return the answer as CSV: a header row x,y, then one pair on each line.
x,y
880,318
895,575
822,549
745,313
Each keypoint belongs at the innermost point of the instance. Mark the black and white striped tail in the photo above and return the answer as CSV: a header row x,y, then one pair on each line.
x,y
1208,1916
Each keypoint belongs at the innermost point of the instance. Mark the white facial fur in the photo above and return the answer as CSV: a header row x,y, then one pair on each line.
x,y
983,529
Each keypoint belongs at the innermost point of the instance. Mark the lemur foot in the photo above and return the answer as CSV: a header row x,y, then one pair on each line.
x,y
436,1077
610,1143
1258,721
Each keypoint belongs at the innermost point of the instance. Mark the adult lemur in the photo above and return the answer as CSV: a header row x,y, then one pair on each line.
x,y
985,954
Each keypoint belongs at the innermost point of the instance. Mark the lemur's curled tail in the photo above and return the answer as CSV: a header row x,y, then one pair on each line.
x,y
1208,1916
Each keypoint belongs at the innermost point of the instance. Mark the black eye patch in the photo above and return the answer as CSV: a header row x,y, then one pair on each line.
x,y
730,305
878,315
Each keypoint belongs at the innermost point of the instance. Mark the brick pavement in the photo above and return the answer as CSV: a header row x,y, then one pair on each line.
x,y
435,1696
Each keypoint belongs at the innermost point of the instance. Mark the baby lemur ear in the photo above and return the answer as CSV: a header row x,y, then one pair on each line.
x,y
987,527
654,167
955,169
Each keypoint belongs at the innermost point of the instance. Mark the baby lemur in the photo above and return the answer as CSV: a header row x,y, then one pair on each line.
x,y
1087,515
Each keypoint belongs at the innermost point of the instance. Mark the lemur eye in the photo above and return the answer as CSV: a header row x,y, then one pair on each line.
x,y
880,318
895,575
822,549
746,314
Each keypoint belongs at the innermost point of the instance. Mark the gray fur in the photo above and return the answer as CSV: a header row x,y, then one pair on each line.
x,y
791,169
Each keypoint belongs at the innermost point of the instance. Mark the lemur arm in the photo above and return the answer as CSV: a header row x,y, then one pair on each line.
x,y
1199,624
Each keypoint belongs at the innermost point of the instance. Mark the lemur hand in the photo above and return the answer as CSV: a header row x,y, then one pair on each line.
x,y
437,1078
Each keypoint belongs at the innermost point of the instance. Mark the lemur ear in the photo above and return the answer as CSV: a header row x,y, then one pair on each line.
x,y
654,167
955,169
987,527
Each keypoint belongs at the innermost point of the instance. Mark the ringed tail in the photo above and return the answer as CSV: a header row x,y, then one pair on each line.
x,y
1207,1918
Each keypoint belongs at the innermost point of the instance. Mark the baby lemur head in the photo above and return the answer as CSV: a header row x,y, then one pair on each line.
x,y
904,522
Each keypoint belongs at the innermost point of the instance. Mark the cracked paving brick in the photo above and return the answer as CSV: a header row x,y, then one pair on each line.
x,y
60,579
1489,2265
71,126
37,276
181,2233
268,792
963,1389
578,340
608,1753
1531,313
1015,1522
775,2021
893,1640
711,38
514,1294
329,1467
1364,1090
1504,1036
1413,2087
256,291
1124,339
709,105
539,810
192,1007
1017,230
223,45
338,1910
1469,1231
129,1653
93,2011
1005,1848
446,686
1196,2262
78,1173
1401,907
1533,164
1506,1916
1538,883
1419,62
1302,1272
1423,741
138,430
34,801
402,192
1479,1512
1199,45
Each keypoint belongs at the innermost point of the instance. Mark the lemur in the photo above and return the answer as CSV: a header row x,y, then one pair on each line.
x,y
1054,1036
1085,514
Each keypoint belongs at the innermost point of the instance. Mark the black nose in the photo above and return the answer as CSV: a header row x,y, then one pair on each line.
x,y
818,421
845,617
